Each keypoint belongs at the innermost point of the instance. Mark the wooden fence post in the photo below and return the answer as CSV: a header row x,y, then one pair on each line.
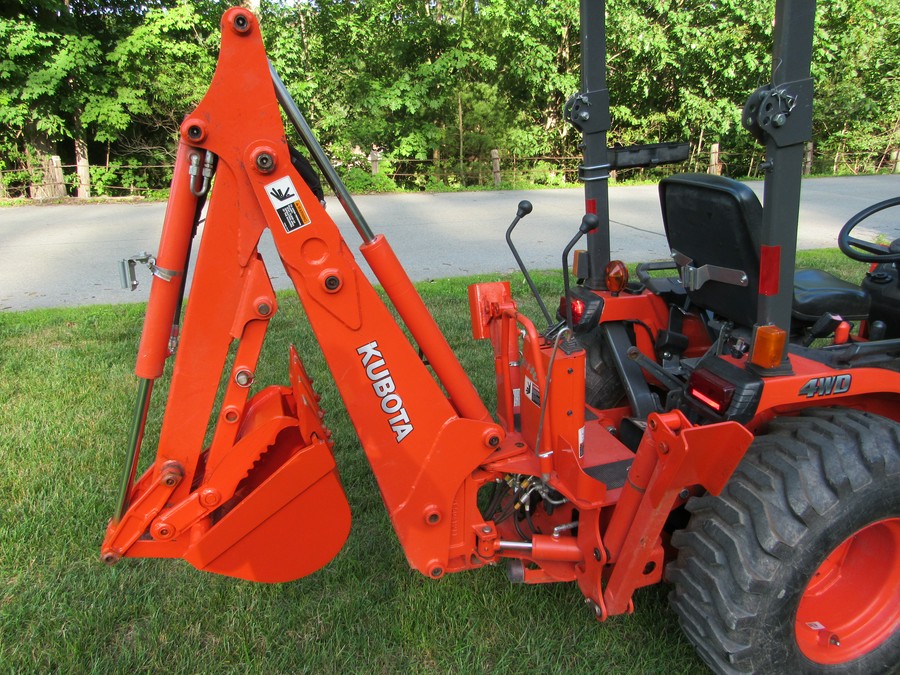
x,y
495,166
808,159
53,185
895,159
715,167
84,178
374,158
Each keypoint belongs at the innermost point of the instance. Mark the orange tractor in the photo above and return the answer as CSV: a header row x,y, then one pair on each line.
x,y
689,428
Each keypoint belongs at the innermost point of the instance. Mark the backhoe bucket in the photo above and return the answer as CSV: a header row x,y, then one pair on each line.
x,y
269,508
290,525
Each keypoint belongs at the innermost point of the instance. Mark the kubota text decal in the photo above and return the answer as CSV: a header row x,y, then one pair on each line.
x,y
826,386
383,384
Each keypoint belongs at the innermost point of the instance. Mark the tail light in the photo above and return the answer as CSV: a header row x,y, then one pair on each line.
x,y
586,309
711,390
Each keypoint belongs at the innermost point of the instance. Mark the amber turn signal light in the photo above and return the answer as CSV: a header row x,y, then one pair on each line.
x,y
768,346
616,276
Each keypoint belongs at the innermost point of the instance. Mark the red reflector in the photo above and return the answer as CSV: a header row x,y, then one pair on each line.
x,y
711,389
769,270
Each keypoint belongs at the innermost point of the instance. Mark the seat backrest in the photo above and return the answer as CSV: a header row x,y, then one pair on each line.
x,y
715,222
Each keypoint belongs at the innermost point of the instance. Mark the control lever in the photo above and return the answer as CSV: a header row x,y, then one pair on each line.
x,y
523,210
824,325
589,222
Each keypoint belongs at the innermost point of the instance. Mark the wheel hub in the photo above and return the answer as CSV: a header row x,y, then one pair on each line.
x,y
852,602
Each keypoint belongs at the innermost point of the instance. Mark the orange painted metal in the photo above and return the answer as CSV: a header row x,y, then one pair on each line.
x,y
852,602
263,501
813,384
181,217
244,482
425,331
685,456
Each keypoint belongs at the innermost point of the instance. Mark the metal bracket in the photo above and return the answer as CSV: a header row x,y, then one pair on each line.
x,y
693,278
782,113
589,112
127,270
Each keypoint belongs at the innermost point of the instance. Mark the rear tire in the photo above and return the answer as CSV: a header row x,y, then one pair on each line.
x,y
603,386
795,567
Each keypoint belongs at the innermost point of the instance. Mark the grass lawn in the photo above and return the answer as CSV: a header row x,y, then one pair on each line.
x,y
66,395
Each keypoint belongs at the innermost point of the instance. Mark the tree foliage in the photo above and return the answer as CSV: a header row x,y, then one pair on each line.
x,y
435,79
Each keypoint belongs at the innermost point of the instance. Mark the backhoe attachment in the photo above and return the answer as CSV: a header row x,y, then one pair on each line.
x,y
244,482
246,485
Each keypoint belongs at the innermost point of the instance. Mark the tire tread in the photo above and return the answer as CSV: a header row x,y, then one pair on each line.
x,y
730,554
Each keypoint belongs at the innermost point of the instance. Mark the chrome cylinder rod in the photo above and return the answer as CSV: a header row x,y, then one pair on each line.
x,y
138,421
309,140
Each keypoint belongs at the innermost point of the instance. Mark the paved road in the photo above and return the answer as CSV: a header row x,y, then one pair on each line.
x,y
66,255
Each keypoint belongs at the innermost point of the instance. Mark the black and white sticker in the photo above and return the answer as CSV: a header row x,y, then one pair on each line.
x,y
288,206
532,392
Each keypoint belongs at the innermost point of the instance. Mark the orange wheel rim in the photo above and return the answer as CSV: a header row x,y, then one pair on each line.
x,y
852,602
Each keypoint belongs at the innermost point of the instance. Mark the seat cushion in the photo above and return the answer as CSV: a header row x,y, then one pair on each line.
x,y
817,292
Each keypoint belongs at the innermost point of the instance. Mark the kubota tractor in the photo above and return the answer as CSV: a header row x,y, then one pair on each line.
x,y
691,428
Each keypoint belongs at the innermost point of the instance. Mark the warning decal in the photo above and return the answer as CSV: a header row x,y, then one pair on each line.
x,y
532,393
288,206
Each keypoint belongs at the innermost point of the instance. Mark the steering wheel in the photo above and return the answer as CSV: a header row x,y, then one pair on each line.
x,y
866,251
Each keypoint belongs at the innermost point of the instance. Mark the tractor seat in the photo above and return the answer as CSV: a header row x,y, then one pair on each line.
x,y
713,225
817,292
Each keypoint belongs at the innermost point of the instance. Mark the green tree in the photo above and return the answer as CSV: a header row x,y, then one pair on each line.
x,y
161,68
856,65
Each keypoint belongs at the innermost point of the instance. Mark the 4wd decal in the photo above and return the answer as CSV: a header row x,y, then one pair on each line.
x,y
383,384
826,386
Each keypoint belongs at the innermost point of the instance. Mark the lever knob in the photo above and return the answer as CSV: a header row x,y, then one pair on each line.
x,y
589,222
524,208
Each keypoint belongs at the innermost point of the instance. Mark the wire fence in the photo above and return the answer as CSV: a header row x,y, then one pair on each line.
x,y
380,174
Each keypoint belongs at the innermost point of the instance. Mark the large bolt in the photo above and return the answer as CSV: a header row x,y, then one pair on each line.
x,y
171,474
171,478
243,378
110,558
162,531
332,282
210,497
241,23
265,162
